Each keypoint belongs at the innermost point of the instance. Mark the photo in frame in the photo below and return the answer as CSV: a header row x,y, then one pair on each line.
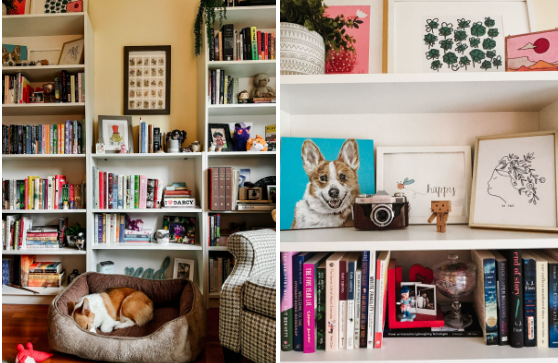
x,y
515,182
115,132
425,174
51,55
147,80
272,193
425,299
220,135
72,52
184,269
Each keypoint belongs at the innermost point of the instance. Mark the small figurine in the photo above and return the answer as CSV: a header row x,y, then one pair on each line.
x,y
256,144
73,276
123,149
243,97
405,302
29,355
100,148
105,267
440,211
162,236
80,241
195,147
134,225
261,87
241,136
177,135
212,147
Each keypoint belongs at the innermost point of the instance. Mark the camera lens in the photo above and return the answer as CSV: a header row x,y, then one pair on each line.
x,y
382,215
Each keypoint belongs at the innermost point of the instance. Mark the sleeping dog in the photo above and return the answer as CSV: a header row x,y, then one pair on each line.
x,y
332,187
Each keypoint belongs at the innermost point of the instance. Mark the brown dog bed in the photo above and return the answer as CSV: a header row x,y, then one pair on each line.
x,y
175,335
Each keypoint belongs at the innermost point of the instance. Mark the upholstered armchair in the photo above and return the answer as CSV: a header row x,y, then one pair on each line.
x,y
247,305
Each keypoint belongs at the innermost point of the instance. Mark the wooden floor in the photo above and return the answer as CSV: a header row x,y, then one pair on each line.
x,y
27,323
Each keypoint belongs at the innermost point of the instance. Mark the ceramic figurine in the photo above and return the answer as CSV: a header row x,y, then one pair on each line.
x,y
440,212
241,136
405,302
212,147
162,236
123,149
243,97
80,241
195,147
100,148
261,88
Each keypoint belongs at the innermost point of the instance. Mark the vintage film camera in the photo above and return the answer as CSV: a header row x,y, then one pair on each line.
x,y
381,211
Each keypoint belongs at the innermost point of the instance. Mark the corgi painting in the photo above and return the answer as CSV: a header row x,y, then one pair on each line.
x,y
116,308
321,179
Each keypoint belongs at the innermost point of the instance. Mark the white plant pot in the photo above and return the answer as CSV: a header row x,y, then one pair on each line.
x,y
302,51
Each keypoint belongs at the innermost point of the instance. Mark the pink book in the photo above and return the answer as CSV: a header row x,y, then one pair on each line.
x,y
310,301
43,147
143,192
332,302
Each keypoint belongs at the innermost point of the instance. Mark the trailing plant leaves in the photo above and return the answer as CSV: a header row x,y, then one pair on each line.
x,y
493,33
430,39
460,35
474,42
207,12
489,22
450,58
486,65
446,44
488,44
478,30
433,54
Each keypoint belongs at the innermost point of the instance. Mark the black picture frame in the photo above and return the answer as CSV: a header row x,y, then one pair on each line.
x,y
166,87
228,139
129,141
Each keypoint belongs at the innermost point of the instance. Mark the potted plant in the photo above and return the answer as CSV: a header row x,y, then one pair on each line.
x,y
308,35
207,16
75,237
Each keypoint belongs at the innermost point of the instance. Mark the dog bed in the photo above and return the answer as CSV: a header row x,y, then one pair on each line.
x,y
175,335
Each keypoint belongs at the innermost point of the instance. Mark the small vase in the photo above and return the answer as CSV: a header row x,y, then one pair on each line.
x,y
301,51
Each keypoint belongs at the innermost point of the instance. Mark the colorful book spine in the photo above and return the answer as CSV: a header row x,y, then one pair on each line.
x,y
320,306
254,42
332,302
515,289
115,191
287,325
372,291
364,297
358,284
309,303
136,191
298,261
143,192
553,305
542,299
351,304
530,300
502,289
342,304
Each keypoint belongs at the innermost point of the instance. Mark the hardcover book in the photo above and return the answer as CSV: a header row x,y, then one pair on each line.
x,y
542,298
332,301
343,302
485,295
287,326
364,298
351,277
382,263
530,299
321,306
515,292
553,299
298,262
310,301
503,299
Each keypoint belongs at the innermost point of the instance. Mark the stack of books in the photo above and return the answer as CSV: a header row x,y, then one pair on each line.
x,y
131,236
17,89
249,204
46,274
247,44
178,195
18,233
219,269
66,138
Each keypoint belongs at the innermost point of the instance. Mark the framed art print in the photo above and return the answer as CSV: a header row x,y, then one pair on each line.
x,y
425,174
532,52
72,52
220,135
184,269
52,55
515,182
147,80
115,132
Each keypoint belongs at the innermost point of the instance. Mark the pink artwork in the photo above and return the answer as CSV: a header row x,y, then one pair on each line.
x,y
532,52
345,61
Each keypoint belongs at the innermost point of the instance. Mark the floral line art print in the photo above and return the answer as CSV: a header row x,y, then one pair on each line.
x,y
521,177
406,182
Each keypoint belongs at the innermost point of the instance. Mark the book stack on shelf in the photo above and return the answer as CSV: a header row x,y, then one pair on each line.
x,y
110,229
65,138
241,45
219,269
178,195
46,274
37,193
19,233
25,271
67,88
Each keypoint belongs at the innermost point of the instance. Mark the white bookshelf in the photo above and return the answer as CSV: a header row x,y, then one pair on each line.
x,y
40,31
419,110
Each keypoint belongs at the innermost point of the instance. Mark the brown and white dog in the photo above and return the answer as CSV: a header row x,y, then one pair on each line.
x,y
332,187
116,308
11,58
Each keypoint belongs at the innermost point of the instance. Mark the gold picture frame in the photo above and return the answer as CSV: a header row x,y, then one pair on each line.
x,y
72,56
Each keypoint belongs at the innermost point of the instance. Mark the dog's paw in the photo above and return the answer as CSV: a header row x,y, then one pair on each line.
x,y
107,328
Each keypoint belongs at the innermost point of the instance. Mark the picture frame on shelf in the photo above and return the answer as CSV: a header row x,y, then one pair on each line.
x,y
147,88
220,135
530,52
426,299
115,131
72,52
272,193
515,182
425,174
184,269
52,55
20,7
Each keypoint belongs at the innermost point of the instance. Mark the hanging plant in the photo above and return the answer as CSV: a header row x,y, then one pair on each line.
x,y
207,15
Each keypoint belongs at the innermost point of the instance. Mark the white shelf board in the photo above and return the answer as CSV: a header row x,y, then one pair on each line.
x,y
49,291
439,350
242,109
44,251
43,211
248,16
418,93
247,68
41,156
148,246
218,248
30,109
413,238
242,154
150,156
150,210
42,73
42,25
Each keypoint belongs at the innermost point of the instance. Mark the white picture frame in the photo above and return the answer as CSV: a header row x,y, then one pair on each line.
x,y
72,52
184,269
404,53
106,133
52,55
447,178
515,182
426,305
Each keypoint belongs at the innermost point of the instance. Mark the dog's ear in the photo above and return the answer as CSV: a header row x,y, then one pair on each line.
x,y
349,154
311,156
85,308
4,51
17,50
71,306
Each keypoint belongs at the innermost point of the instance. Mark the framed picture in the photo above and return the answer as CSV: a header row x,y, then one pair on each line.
x,y
147,80
514,183
51,55
532,52
425,174
114,132
220,135
272,193
19,7
307,164
426,299
184,269
411,37
72,52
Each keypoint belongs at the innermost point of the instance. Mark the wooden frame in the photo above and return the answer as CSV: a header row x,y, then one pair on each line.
x,y
227,135
465,150
100,123
80,56
516,36
191,263
389,28
473,192
167,78
57,58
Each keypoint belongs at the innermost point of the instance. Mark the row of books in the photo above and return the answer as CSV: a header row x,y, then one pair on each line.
x,y
516,298
65,138
150,138
244,44
18,233
214,225
17,89
111,229
25,271
219,269
37,193
223,89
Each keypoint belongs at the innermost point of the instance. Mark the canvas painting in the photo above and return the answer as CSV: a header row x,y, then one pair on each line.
x,y
344,61
12,54
322,178
462,44
515,182
532,52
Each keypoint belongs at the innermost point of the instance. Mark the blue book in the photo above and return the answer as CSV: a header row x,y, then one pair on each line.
x,y
530,300
487,313
298,288
28,139
114,191
100,229
552,302
143,136
146,239
6,269
40,138
502,289
365,275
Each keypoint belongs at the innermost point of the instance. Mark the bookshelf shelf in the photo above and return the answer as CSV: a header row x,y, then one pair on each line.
x,y
243,154
44,211
32,109
149,246
242,109
45,251
150,210
214,295
154,156
42,25
43,73
245,16
217,248
247,68
45,291
42,156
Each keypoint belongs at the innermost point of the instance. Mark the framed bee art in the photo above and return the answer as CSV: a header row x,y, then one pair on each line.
x,y
147,80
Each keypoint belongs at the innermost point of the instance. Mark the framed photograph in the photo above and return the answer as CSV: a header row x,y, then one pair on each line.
x,y
37,55
515,182
147,80
425,174
72,52
115,131
272,193
462,31
532,52
426,299
184,269
220,135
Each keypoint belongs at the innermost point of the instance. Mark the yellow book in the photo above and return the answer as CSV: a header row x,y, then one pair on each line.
x,y
254,41
61,138
226,101
73,88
